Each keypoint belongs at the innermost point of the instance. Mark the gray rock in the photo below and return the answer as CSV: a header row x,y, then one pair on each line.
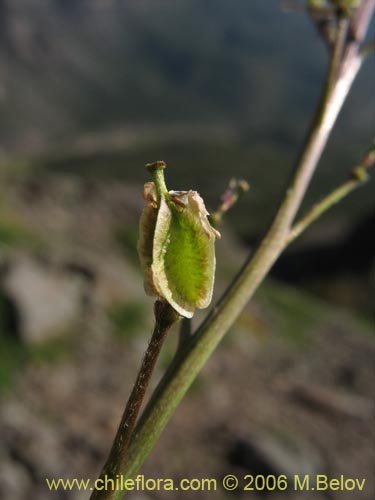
x,y
277,453
14,479
34,446
47,300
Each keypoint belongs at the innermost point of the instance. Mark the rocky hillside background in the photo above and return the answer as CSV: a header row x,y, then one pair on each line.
x,y
90,91
99,88
289,391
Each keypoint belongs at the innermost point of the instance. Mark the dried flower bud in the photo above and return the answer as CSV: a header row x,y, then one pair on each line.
x,y
176,245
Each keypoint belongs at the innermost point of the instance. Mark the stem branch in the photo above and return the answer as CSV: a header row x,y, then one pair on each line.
x,y
165,316
357,178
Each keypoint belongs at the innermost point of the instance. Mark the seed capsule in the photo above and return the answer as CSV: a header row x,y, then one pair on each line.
x,y
176,245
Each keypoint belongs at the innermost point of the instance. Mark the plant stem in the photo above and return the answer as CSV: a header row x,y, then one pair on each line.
x,y
358,177
344,65
165,317
335,90
156,170
184,333
236,189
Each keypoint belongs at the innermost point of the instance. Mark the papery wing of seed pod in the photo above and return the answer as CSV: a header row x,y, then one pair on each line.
x,y
183,263
147,225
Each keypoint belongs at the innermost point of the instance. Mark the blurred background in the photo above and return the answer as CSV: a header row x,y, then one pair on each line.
x,y
90,91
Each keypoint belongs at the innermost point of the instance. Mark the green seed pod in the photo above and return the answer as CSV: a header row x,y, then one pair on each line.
x,y
176,246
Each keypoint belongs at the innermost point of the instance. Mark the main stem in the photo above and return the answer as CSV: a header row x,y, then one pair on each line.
x,y
165,316
344,65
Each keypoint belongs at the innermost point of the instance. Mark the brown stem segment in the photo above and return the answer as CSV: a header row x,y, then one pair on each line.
x,y
165,317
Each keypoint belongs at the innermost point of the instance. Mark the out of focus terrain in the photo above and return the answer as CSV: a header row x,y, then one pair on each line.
x,y
99,88
89,92
289,391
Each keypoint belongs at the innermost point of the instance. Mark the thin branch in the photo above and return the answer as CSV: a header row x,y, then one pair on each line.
x,y
234,192
362,19
184,334
334,92
357,178
165,317
322,206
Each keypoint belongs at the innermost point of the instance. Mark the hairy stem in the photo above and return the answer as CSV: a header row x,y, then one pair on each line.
x,y
165,317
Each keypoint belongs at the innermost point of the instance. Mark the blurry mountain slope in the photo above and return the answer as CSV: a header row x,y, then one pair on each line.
x,y
69,67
